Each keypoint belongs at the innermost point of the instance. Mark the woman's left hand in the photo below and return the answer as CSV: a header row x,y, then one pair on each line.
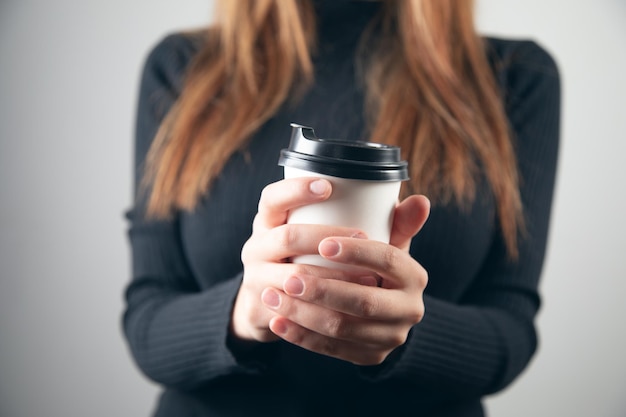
x,y
358,323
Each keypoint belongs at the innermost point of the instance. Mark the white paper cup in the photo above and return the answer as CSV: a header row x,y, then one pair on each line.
x,y
365,178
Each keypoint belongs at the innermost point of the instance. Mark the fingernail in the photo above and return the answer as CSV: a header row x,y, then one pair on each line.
x,y
329,248
278,327
270,298
294,286
359,235
319,187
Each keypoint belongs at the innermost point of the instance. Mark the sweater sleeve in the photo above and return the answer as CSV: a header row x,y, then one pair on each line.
x,y
175,331
480,345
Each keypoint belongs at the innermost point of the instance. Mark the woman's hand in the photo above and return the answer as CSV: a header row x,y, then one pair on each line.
x,y
323,310
266,254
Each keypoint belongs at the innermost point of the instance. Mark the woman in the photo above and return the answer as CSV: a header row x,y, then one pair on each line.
x,y
215,313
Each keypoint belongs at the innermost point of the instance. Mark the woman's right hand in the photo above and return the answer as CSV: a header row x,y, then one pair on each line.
x,y
273,242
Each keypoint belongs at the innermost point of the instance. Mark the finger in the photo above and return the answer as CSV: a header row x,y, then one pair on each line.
x,y
278,198
397,268
276,274
363,302
355,352
291,240
409,217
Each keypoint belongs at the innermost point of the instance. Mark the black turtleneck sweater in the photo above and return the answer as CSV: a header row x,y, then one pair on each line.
x,y
478,333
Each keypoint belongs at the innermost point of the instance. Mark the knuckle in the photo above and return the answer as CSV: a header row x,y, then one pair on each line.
x,y
287,235
378,358
245,253
368,305
420,315
264,199
417,313
297,337
299,270
335,326
257,223
423,278
397,339
389,258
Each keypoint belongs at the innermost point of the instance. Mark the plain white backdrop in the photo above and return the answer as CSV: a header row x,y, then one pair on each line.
x,y
69,74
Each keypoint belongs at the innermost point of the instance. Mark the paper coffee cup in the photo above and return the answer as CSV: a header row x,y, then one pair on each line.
x,y
365,178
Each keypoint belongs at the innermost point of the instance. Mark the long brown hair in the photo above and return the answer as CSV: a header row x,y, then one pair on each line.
x,y
430,90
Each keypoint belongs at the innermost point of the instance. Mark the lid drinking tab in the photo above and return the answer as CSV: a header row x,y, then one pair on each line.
x,y
342,158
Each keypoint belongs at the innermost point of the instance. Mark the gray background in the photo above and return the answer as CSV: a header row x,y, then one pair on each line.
x,y
68,82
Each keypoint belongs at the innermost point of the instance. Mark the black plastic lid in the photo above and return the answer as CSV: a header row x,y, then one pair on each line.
x,y
341,158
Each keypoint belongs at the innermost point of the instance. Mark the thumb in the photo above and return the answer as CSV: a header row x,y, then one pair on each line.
x,y
409,217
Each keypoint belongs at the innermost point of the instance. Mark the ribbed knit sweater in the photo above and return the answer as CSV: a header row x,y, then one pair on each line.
x,y
478,333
